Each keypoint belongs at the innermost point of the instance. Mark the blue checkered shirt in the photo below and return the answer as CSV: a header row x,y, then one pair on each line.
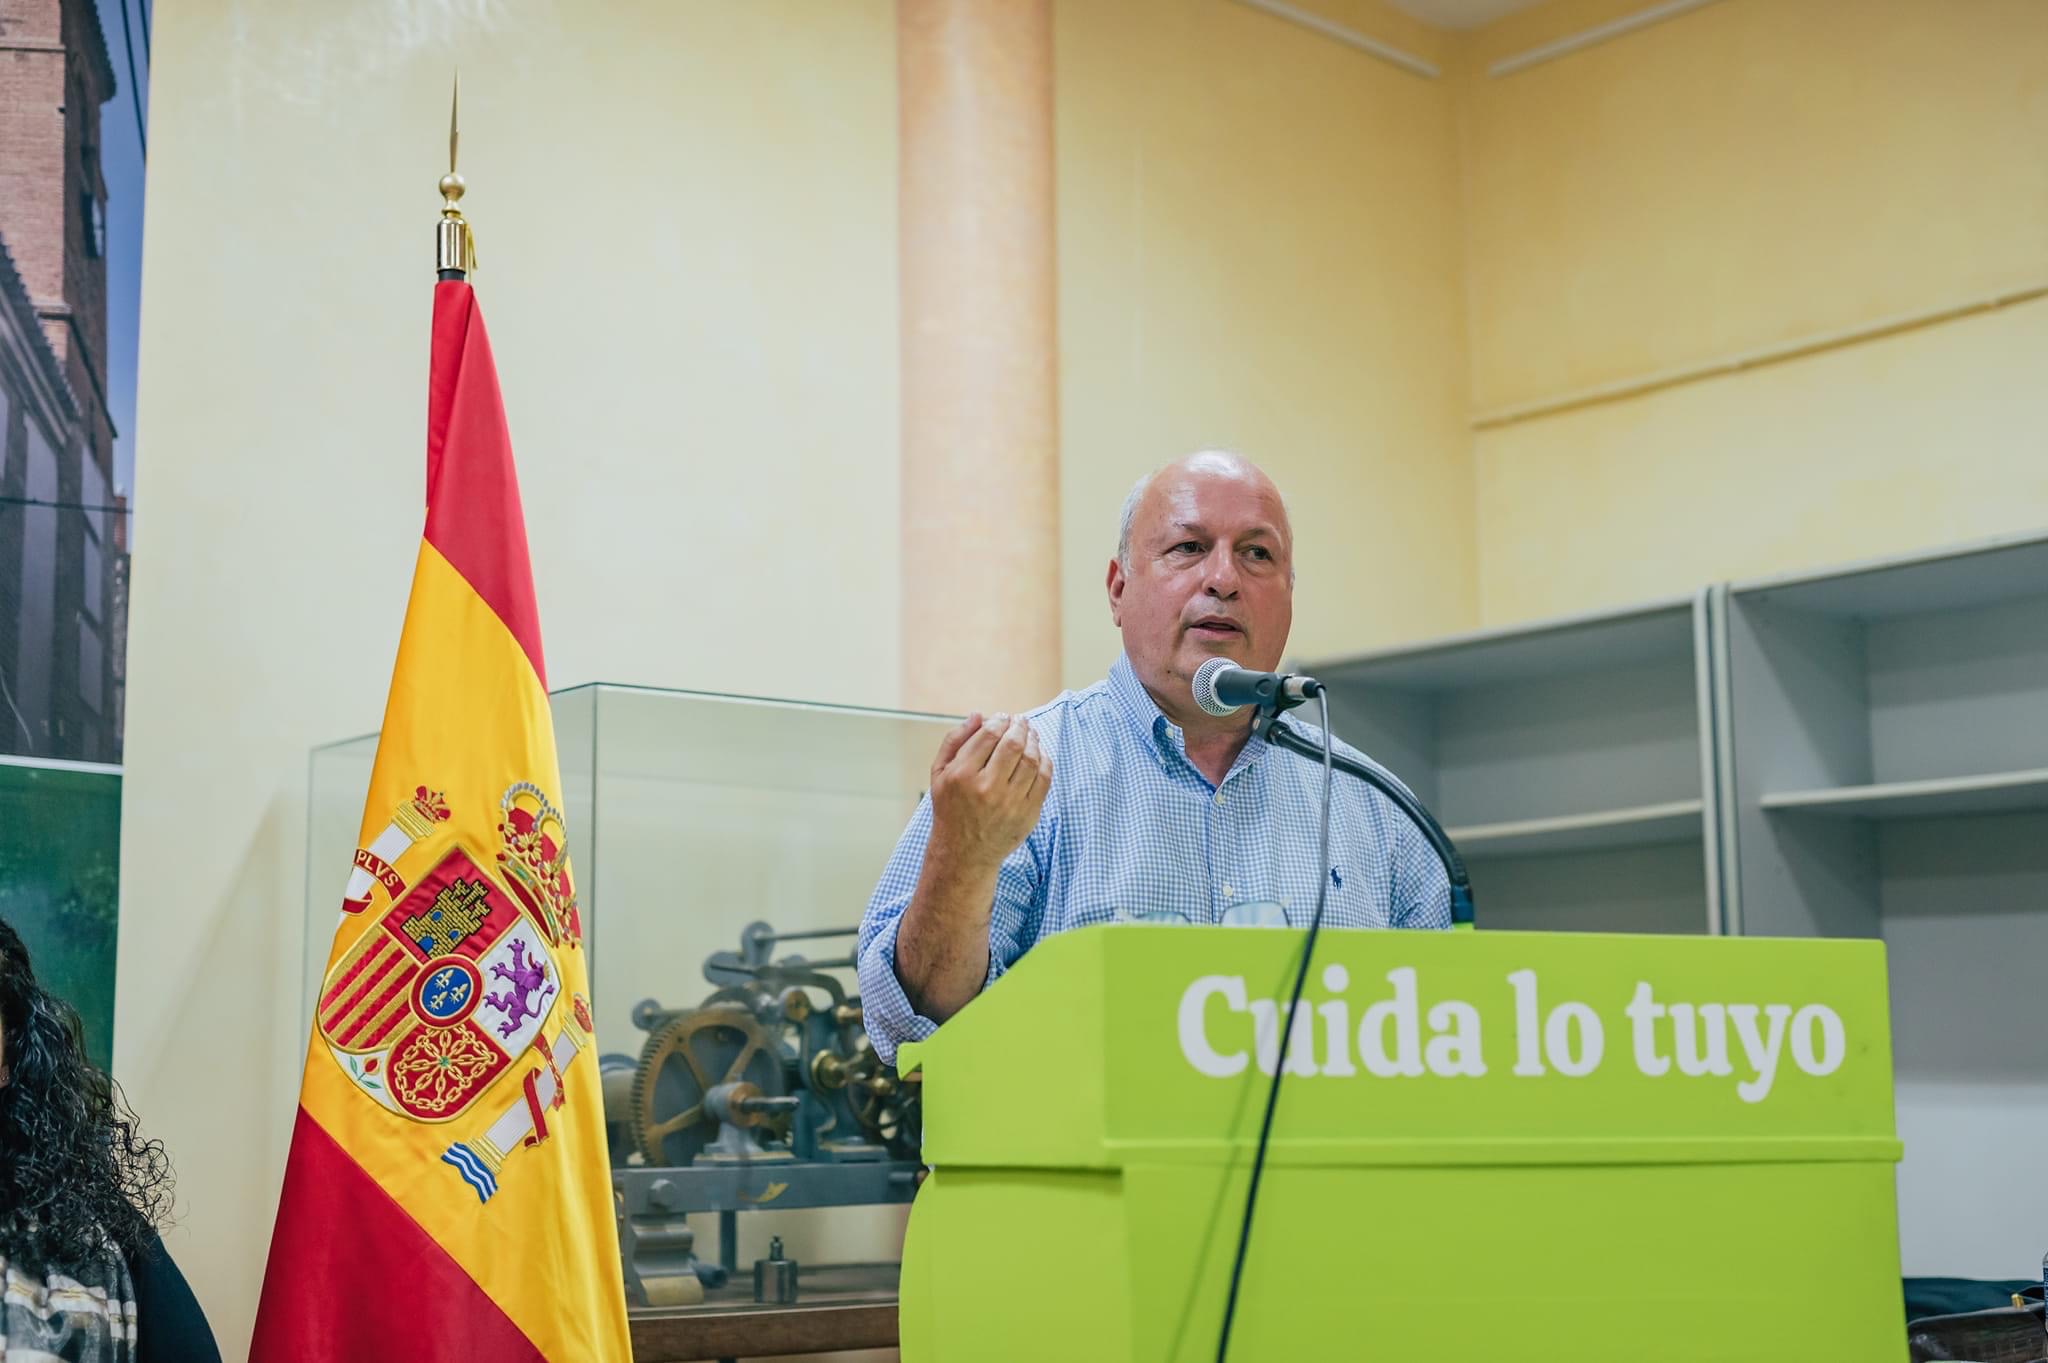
x,y
1131,829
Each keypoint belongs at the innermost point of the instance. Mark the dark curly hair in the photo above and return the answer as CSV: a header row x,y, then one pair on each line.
x,y
75,1173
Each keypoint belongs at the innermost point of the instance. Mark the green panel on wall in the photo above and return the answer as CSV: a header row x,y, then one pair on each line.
x,y
60,859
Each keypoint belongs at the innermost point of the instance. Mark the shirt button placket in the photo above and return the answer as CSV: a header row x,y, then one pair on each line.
x,y
1214,848
1219,850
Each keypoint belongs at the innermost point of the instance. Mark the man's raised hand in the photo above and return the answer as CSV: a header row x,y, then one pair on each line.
x,y
989,781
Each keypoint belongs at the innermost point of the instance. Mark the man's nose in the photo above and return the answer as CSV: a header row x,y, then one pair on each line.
x,y
1220,573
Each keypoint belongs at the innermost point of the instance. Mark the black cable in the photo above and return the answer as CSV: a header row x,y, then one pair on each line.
x,y
134,91
142,13
66,506
1308,951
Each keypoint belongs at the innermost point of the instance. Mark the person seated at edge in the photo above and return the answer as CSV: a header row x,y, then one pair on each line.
x,y
83,1277
1126,800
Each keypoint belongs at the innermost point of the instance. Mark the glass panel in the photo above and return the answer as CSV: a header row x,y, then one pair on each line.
x,y
339,779
717,812
60,885
575,714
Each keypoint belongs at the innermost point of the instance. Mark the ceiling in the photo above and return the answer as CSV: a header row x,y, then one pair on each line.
x,y
1461,13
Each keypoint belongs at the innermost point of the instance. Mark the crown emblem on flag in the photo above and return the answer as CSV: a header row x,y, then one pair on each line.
x,y
534,857
418,815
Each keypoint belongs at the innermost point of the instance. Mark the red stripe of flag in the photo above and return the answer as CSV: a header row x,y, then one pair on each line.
x,y
473,514
353,1277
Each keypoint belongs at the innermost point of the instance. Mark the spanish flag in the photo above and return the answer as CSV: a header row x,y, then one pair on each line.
x,y
448,1195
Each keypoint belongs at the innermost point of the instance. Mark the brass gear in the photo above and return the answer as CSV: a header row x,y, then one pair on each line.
x,y
684,1060
887,1108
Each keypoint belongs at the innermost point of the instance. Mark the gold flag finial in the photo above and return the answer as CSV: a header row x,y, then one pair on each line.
x,y
454,247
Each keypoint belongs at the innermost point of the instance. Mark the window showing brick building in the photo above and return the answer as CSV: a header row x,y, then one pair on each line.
x,y
62,551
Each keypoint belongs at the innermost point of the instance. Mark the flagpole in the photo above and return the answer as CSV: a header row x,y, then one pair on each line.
x,y
454,248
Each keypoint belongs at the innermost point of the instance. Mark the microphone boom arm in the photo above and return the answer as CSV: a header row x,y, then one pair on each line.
x,y
1269,728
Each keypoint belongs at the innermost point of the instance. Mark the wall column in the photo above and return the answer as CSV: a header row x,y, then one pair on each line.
x,y
980,463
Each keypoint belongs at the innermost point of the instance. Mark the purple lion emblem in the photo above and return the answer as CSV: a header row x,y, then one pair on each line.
x,y
526,997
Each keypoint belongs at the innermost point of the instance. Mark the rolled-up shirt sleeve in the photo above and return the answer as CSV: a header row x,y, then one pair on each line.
x,y
886,1010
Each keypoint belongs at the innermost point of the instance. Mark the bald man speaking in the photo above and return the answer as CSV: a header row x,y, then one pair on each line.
x,y
1125,801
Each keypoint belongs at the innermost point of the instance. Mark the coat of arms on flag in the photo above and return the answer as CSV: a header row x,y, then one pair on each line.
x,y
456,979
451,985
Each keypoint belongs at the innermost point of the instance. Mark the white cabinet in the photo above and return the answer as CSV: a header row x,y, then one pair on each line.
x,y
1889,778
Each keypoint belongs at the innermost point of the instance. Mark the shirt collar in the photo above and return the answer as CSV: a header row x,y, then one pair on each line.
x,y
1152,725
1138,706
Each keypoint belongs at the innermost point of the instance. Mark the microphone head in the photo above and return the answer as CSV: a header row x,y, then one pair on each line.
x,y
1205,687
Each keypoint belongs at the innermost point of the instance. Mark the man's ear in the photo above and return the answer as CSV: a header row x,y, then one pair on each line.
x,y
1115,584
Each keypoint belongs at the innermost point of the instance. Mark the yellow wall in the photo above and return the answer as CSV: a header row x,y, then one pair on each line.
x,y
1258,240
698,373
1938,436
1741,178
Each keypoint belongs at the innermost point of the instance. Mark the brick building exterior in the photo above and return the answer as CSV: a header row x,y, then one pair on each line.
x,y
61,616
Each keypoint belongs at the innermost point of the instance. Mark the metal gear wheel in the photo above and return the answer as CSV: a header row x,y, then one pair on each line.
x,y
681,1062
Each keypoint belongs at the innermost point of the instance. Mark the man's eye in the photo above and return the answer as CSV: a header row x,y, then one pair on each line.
x,y
1259,551
1186,546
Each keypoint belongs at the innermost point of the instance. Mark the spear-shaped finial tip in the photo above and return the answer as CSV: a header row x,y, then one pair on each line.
x,y
455,249
452,184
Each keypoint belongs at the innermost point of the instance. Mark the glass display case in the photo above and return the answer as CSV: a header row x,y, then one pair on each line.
x,y
724,848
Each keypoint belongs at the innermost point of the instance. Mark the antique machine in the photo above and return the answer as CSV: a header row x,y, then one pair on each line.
x,y
765,1095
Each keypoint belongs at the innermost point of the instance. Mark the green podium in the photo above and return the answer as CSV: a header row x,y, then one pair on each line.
x,y
1489,1146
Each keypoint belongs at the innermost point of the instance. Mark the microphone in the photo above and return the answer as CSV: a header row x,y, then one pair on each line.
x,y
1222,688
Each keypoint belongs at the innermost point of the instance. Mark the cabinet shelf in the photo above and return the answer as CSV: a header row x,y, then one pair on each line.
x,y
1635,826
1989,793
